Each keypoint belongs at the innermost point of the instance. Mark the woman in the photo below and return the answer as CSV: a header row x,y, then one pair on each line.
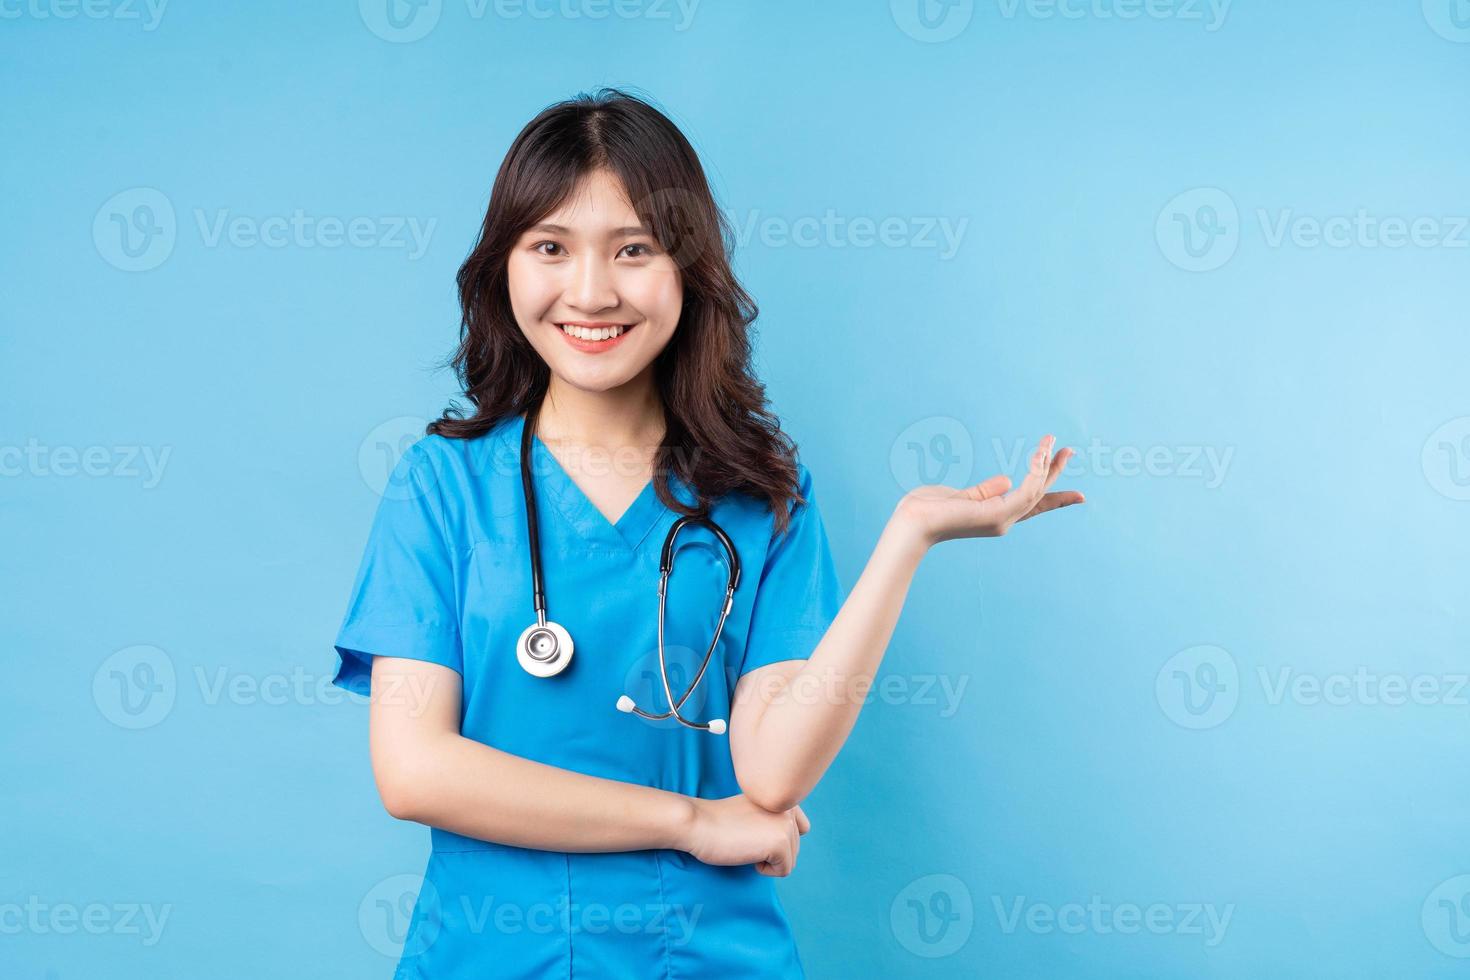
x,y
577,827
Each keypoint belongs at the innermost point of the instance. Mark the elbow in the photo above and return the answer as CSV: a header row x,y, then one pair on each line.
x,y
402,794
399,799
405,771
770,795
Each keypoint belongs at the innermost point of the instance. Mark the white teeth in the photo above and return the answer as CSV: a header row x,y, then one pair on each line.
x,y
583,333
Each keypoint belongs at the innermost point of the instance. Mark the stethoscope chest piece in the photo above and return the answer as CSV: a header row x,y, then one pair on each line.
x,y
544,649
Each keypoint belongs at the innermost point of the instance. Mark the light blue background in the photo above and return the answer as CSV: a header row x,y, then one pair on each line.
x,y
1331,378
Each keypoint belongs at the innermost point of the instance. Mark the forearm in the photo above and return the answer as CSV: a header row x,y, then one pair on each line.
x,y
473,789
807,721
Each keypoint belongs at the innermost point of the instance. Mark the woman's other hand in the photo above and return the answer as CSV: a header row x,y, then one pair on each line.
x,y
734,830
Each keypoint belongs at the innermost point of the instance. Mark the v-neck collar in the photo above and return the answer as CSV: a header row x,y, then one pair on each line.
x,y
552,481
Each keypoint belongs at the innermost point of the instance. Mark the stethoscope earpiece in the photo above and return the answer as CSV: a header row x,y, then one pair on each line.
x,y
545,648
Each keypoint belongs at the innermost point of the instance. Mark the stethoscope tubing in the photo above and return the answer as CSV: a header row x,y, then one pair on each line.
x,y
666,564
533,532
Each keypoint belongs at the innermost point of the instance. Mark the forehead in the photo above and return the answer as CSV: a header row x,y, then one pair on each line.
x,y
597,206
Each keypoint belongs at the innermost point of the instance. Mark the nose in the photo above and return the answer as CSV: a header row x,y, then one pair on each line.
x,y
591,286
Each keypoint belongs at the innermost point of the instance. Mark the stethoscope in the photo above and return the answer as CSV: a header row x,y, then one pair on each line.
x,y
545,648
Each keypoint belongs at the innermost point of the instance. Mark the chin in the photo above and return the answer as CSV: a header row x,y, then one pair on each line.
x,y
582,379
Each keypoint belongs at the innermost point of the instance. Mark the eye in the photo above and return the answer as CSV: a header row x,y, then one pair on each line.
x,y
537,247
646,250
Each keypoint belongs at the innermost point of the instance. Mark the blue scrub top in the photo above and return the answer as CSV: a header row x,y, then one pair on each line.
x,y
446,578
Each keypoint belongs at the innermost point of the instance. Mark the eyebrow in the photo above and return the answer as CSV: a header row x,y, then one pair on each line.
x,y
559,230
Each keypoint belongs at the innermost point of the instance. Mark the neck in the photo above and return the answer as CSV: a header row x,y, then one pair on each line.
x,y
631,414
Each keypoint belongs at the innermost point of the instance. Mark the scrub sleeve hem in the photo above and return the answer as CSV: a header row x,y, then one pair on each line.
x,y
357,644
795,643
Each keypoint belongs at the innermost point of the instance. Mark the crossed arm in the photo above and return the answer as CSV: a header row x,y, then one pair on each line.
x,y
429,773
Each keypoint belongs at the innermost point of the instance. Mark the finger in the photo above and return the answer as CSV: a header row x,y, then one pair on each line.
x,y
1025,496
1040,464
1062,498
1058,463
996,486
1037,471
802,823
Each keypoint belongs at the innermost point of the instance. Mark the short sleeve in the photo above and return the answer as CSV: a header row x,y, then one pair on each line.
x,y
403,600
798,595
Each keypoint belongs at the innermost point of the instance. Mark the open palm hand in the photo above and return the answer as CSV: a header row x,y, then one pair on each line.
x,y
984,510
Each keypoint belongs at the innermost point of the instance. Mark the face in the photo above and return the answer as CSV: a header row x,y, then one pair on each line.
x,y
592,265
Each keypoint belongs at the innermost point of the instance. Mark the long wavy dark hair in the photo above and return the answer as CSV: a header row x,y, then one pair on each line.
x,y
720,437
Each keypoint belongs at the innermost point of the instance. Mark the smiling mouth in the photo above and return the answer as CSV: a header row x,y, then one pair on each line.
x,y
595,334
